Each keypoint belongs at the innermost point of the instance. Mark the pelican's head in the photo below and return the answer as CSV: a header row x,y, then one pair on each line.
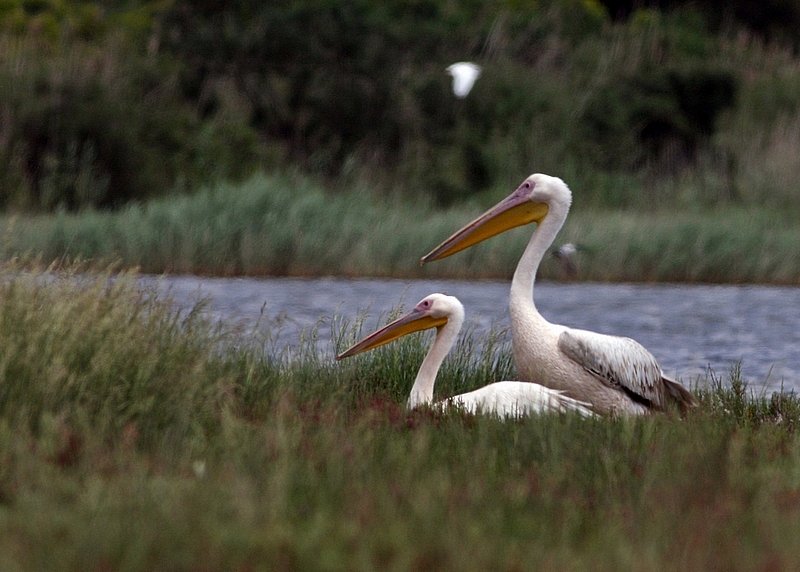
x,y
433,311
537,196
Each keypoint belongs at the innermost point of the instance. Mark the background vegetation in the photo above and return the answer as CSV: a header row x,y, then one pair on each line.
x,y
290,225
136,438
634,103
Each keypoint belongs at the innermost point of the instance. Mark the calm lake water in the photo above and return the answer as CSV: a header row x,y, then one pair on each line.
x,y
688,328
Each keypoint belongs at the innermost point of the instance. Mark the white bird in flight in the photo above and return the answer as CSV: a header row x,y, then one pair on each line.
x,y
615,374
464,76
504,398
566,254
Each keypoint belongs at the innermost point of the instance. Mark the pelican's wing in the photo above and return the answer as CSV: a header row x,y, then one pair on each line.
x,y
518,398
621,363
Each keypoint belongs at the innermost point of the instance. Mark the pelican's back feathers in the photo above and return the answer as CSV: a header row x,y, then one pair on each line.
x,y
619,362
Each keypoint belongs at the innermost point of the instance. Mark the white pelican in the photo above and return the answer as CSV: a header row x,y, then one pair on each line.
x,y
504,398
615,374
465,74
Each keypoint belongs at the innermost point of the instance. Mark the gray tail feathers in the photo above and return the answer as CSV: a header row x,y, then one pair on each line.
x,y
679,395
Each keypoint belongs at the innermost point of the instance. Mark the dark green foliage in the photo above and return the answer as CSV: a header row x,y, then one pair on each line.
x,y
660,114
92,120
107,103
88,136
774,20
325,79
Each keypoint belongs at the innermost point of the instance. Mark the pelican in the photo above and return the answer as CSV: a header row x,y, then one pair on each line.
x,y
615,374
504,398
465,74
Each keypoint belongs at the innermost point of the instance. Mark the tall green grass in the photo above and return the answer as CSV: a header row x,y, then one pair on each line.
x,y
288,225
133,437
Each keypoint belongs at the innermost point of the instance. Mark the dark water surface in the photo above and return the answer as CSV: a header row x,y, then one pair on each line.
x,y
688,328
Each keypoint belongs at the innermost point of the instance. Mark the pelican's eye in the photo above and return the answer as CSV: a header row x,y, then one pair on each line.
x,y
425,305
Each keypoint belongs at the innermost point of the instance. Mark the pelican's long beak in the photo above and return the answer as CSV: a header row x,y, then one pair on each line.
x,y
515,210
414,321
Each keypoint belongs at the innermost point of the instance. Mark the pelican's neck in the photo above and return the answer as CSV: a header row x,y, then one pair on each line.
x,y
422,390
521,299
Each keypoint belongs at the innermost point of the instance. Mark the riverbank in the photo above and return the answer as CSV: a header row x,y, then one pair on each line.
x,y
134,437
689,328
290,226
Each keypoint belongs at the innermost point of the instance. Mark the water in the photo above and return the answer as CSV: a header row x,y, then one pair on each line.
x,y
688,328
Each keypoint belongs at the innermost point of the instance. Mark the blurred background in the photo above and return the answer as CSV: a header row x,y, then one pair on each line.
x,y
639,104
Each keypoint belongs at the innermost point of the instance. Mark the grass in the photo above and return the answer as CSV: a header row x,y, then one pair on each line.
x,y
285,225
133,437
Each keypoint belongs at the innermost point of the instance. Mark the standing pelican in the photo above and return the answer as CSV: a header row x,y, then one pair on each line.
x,y
615,374
504,398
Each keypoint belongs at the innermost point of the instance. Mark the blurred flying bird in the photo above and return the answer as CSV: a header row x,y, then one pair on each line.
x,y
504,398
615,374
464,76
566,256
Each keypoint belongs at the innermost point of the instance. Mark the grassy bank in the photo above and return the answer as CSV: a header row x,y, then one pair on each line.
x,y
283,225
133,438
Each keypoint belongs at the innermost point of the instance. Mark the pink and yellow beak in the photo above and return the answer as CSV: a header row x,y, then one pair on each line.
x,y
515,210
415,321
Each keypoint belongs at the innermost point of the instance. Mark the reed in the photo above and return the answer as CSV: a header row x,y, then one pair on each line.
x,y
133,437
288,225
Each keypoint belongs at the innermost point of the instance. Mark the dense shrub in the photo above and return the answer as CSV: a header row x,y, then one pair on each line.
x,y
563,89
101,104
774,20
662,114
80,128
91,118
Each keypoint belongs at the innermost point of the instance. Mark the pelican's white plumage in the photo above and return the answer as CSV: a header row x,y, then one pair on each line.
x,y
616,375
465,74
504,398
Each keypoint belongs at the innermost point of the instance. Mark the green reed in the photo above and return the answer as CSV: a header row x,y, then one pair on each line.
x,y
288,225
136,437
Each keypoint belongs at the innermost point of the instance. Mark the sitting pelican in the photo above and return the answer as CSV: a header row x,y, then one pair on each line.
x,y
615,374
504,398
